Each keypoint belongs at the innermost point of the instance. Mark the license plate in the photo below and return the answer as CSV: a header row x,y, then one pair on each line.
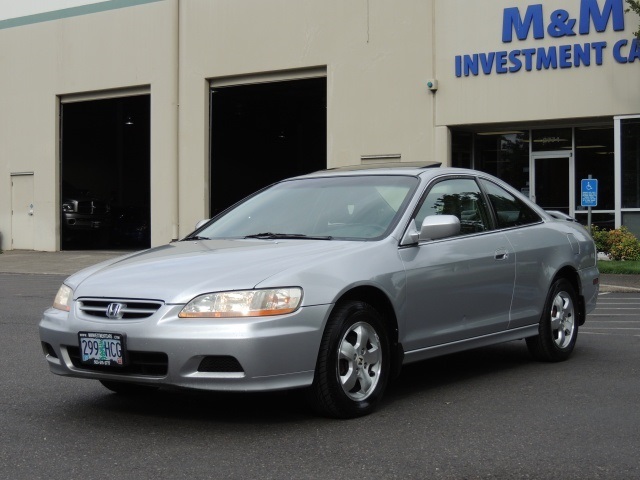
x,y
102,349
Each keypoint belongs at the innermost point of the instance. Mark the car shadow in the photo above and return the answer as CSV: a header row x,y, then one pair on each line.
x,y
417,379
460,367
216,407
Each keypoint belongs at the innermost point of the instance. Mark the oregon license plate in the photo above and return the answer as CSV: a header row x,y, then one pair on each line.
x,y
102,349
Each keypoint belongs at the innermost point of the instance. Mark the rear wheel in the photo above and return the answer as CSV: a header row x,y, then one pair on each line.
x,y
353,363
558,329
129,389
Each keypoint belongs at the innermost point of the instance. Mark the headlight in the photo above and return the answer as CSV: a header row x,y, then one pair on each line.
x,y
244,303
63,298
68,207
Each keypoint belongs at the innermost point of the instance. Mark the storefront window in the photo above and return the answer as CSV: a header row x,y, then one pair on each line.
x,y
551,140
461,149
630,155
631,220
505,156
606,221
595,157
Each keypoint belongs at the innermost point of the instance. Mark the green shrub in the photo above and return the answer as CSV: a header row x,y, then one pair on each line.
x,y
619,244
624,245
601,237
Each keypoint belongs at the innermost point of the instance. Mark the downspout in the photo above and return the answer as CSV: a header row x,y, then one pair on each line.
x,y
175,234
442,133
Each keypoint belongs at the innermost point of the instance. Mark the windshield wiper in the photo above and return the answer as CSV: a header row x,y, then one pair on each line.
x,y
289,236
195,237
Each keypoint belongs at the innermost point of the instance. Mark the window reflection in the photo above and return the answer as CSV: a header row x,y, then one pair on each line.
x,y
553,139
630,153
595,157
606,221
459,197
506,156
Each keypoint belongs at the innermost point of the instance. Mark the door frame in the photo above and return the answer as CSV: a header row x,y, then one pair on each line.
x,y
26,239
533,156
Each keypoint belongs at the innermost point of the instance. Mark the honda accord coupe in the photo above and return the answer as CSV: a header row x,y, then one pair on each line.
x,y
330,282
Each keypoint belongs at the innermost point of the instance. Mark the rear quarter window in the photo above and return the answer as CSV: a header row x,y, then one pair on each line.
x,y
510,211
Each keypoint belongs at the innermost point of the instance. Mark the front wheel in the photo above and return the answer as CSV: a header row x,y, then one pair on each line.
x,y
558,329
353,363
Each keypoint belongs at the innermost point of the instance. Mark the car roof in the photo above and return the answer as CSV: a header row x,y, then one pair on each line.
x,y
429,169
390,165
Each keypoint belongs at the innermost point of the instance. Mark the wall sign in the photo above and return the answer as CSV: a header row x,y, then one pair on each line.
x,y
521,24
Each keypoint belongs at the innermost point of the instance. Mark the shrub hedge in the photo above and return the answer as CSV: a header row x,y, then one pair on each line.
x,y
619,244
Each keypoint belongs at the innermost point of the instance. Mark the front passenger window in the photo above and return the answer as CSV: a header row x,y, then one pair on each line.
x,y
460,197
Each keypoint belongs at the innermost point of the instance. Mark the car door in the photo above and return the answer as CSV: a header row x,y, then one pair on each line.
x,y
458,287
535,247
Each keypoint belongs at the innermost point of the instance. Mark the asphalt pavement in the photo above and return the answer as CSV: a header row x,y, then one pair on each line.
x,y
489,413
68,262
53,263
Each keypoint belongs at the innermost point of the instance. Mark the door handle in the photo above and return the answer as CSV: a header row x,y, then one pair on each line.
x,y
501,254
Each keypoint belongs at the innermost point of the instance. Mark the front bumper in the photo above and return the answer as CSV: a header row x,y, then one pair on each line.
x,y
271,353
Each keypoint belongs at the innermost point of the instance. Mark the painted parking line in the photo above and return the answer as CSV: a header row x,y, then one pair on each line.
x,y
599,322
614,315
613,328
610,334
632,305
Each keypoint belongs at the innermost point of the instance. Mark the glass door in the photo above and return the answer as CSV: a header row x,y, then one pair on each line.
x,y
551,182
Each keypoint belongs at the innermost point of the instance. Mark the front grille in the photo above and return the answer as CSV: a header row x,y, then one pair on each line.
x,y
220,364
129,309
93,207
153,364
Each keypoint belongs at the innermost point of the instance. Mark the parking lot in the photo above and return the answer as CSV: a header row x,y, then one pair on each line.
x,y
616,314
489,413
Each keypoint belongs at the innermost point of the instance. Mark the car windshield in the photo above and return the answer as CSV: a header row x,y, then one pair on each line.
x,y
349,207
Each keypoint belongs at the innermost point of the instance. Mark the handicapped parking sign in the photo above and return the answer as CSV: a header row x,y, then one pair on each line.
x,y
589,192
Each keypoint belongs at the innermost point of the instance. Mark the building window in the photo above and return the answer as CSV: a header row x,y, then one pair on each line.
x,y
548,140
506,156
630,157
595,157
462,149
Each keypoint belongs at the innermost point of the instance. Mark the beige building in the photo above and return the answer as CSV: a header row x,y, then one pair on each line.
x,y
123,123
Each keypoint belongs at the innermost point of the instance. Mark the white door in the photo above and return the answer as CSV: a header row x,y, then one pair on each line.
x,y
22,210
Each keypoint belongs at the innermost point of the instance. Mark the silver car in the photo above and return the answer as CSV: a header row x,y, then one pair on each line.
x,y
330,282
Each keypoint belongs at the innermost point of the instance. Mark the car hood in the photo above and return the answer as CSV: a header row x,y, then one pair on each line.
x,y
177,272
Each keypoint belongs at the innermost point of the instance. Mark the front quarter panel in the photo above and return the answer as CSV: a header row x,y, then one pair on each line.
x,y
324,280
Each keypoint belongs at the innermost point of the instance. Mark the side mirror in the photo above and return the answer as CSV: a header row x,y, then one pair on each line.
x,y
201,223
435,227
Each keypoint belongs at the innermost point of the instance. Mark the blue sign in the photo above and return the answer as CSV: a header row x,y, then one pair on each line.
x,y
589,192
521,24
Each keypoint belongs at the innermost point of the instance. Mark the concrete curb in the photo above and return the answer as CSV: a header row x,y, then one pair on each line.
x,y
618,289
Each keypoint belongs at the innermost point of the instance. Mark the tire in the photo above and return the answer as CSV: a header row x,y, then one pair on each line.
x,y
128,389
353,364
558,329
